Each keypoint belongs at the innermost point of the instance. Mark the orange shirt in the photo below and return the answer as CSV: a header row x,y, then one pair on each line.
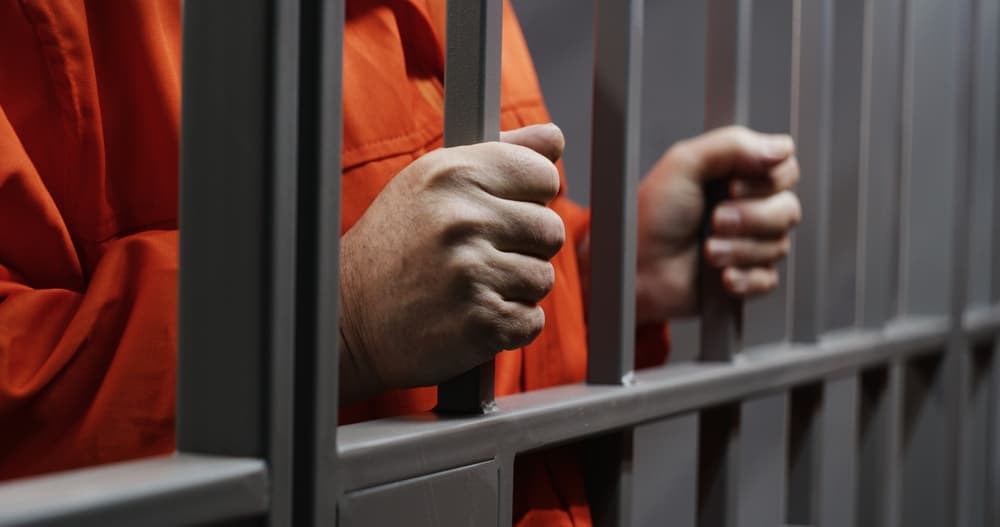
x,y
89,99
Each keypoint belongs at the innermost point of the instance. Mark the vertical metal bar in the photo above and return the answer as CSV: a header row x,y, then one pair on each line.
x,y
804,442
763,438
878,449
766,318
472,115
836,480
975,396
727,102
664,469
609,479
880,163
926,485
985,139
842,232
718,466
811,89
238,212
317,372
614,181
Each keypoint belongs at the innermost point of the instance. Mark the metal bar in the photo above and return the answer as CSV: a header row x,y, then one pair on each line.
x,y
842,234
766,318
165,491
317,371
609,478
880,162
238,221
472,115
974,500
719,466
417,444
878,449
811,117
925,500
726,102
614,180
984,161
763,441
835,480
663,470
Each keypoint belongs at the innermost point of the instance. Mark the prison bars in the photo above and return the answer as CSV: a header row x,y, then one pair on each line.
x,y
883,371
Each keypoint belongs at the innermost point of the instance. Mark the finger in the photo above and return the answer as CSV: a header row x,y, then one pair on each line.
x,y
526,228
722,151
546,139
746,252
512,172
519,278
784,176
749,282
503,325
770,217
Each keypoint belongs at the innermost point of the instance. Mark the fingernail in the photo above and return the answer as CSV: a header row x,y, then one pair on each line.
x,y
719,251
777,146
727,218
739,189
735,280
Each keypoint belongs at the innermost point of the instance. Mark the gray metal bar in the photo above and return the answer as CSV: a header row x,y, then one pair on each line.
x,y
932,145
878,449
719,466
836,479
766,318
664,470
880,161
537,419
472,115
318,341
763,444
811,93
614,180
986,69
926,461
238,224
842,229
726,102
609,478
974,500
165,491
993,461
804,441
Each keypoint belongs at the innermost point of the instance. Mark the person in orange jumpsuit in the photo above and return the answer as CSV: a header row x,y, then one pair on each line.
x,y
89,105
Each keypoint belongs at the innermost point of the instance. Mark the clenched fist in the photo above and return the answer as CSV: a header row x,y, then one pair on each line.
x,y
446,267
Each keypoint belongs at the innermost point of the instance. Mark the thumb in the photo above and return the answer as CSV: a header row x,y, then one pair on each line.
x,y
723,151
546,139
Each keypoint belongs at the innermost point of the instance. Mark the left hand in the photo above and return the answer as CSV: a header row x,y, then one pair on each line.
x,y
749,231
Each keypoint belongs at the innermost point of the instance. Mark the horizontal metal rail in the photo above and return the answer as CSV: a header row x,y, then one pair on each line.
x,y
177,490
424,443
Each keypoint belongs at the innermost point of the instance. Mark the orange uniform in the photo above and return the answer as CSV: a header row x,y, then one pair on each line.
x,y
89,100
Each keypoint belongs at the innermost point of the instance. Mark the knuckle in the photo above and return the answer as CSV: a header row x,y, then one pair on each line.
x,y
461,220
551,231
540,279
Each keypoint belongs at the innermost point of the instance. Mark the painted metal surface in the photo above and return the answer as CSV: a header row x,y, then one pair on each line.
x,y
167,491
472,115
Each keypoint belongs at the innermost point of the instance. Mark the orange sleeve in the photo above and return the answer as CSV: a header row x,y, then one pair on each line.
x,y
86,366
88,250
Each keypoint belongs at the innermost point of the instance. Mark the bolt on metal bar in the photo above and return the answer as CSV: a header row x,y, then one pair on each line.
x,y
317,371
727,102
471,115
238,226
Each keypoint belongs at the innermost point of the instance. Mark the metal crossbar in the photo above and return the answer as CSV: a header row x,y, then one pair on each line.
x,y
866,392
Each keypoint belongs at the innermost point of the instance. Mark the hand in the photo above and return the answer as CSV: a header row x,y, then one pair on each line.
x,y
749,231
446,267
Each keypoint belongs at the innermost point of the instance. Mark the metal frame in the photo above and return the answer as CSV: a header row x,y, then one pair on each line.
x,y
834,416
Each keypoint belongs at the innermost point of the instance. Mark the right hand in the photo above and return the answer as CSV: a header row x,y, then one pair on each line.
x,y
446,267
